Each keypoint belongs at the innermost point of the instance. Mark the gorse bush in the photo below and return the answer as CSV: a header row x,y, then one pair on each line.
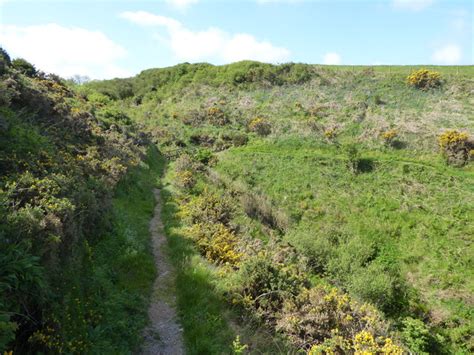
x,y
389,137
59,167
24,67
455,146
216,242
324,320
185,179
330,133
217,116
424,79
209,208
266,284
260,126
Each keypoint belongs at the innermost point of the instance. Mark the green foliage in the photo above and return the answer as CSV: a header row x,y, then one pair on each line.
x,y
204,156
416,336
209,208
201,307
59,168
266,284
24,67
22,289
353,157
321,313
237,347
5,57
113,116
5,61
216,242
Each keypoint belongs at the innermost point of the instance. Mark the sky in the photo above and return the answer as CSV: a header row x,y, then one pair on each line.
x,y
119,38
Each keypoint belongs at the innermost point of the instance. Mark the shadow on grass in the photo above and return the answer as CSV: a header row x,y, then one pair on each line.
x,y
200,307
365,165
397,144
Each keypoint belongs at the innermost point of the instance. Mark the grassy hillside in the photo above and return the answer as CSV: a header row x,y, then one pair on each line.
x,y
341,163
308,208
75,269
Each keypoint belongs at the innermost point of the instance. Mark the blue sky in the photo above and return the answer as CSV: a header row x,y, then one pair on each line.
x,y
104,39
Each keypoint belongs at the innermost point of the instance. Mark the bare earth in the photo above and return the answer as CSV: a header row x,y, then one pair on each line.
x,y
164,334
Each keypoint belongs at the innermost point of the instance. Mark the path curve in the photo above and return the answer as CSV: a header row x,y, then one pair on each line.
x,y
164,334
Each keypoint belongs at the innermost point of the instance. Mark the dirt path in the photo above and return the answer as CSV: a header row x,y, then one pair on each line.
x,y
164,334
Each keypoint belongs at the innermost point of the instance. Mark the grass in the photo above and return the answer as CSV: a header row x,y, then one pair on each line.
x,y
396,235
201,307
103,308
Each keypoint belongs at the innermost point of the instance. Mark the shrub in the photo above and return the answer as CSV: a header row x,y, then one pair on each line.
x,y
353,158
325,318
185,179
4,57
184,163
416,336
209,208
216,242
267,284
260,126
330,134
424,79
24,67
239,139
455,146
237,347
259,207
380,285
22,288
389,137
204,156
217,116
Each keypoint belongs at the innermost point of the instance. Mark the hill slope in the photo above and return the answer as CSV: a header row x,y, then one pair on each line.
x,y
347,163
308,203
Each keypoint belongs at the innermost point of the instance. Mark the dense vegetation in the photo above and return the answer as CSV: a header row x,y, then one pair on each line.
x,y
75,269
360,175
323,209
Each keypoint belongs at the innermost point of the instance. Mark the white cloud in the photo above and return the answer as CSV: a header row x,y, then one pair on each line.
x,y
181,4
210,44
332,58
144,18
66,51
450,54
412,5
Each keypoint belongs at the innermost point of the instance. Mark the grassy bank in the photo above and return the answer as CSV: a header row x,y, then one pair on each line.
x,y
391,235
201,308
102,308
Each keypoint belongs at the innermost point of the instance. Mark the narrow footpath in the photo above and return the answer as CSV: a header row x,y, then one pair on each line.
x,y
164,334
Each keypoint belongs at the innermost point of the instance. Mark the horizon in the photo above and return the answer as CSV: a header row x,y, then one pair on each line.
x,y
104,40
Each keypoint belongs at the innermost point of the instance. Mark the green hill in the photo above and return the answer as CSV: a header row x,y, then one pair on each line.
x,y
310,203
